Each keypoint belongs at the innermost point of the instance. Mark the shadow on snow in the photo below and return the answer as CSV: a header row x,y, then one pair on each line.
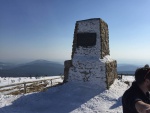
x,y
61,99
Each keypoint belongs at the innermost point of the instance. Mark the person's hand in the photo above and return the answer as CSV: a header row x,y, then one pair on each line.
x,y
147,110
142,107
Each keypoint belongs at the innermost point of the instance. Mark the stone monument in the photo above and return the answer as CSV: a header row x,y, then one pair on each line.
x,y
90,61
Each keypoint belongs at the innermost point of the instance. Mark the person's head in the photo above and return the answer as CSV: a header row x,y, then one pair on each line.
x,y
142,75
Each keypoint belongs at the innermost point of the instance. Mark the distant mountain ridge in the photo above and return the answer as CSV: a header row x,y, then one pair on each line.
x,y
126,68
49,68
34,68
6,65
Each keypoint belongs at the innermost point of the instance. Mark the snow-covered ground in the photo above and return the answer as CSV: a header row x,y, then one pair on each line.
x,y
9,85
12,80
69,97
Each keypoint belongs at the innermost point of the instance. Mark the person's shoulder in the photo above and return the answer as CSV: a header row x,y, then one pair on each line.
x,y
128,92
131,91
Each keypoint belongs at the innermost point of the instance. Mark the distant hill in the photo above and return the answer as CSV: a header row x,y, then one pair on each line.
x,y
6,65
126,68
49,68
35,68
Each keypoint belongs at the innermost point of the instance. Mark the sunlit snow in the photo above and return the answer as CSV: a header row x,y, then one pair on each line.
x,y
69,97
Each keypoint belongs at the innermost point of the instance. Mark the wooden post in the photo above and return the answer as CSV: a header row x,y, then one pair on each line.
x,y
51,82
24,87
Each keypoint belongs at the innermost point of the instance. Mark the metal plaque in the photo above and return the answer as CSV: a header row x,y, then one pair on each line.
x,y
86,39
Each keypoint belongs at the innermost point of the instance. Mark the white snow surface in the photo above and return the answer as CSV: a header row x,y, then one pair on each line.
x,y
11,80
68,98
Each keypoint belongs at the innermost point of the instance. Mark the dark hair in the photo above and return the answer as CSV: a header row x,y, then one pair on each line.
x,y
142,73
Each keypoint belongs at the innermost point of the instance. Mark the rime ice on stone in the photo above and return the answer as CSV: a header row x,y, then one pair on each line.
x,y
91,61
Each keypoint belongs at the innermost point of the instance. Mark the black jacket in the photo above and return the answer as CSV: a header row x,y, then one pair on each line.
x,y
131,96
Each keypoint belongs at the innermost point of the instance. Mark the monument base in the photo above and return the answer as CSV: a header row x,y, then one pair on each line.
x,y
101,72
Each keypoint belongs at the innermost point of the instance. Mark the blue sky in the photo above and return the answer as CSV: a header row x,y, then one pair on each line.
x,y
43,29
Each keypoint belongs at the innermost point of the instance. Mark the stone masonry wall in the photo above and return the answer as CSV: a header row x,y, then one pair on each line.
x,y
88,71
91,64
111,72
67,65
74,46
87,26
104,38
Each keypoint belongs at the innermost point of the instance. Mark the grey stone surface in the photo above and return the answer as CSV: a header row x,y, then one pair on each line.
x,y
104,35
111,72
87,63
67,65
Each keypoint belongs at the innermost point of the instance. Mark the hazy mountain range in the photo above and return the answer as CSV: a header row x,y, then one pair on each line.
x,y
44,67
35,68
126,68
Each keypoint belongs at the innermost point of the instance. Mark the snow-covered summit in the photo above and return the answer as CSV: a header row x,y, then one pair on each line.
x,y
70,97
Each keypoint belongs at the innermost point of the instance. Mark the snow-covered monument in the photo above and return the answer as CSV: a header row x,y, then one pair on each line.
x,y
90,61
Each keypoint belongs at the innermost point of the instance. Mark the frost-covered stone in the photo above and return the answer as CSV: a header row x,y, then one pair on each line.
x,y
91,61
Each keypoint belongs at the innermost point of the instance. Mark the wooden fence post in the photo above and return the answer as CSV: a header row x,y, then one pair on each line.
x,y
51,82
24,87
24,84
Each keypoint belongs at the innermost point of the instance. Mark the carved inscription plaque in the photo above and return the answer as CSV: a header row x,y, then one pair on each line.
x,y
86,39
